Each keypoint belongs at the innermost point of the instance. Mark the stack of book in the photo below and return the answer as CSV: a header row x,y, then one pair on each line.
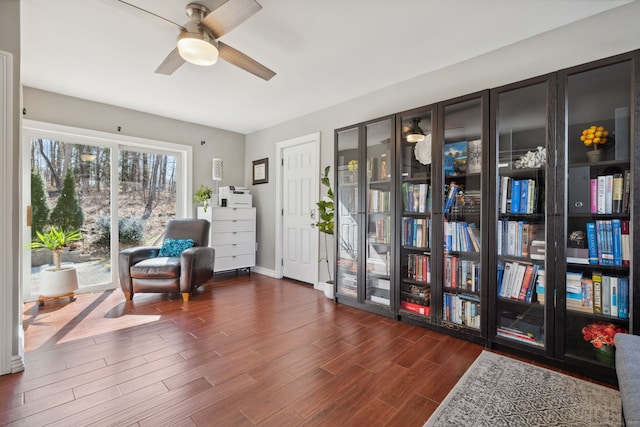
x,y
419,267
599,293
610,194
609,242
518,196
517,280
416,232
461,309
461,274
416,197
461,236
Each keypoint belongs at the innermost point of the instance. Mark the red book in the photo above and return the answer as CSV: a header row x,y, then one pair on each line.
x,y
625,242
454,271
526,280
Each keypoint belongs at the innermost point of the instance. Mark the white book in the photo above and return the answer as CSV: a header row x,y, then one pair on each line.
x,y
608,195
614,296
517,281
503,193
606,295
506,278
602,188
512,233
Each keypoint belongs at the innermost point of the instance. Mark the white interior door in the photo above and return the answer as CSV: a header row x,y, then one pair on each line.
x,y
299,197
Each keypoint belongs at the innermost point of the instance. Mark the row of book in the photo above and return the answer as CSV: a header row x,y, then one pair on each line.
x,y
519,196
416,232
516,238
419,267
378,201
609,242
517,280
380,230
610,194
416,299
517,334
599,293
416,197
348,284
461,309
461,236
461,273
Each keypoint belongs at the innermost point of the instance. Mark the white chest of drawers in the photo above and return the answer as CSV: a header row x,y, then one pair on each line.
x,y
233,236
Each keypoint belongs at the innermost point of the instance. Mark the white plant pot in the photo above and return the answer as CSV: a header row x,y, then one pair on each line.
x,y
58,282
329,291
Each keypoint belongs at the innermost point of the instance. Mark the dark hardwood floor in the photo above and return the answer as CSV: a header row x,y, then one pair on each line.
x,y
244,351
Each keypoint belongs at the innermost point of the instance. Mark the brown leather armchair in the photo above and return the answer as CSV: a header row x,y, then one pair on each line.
x,y
142,270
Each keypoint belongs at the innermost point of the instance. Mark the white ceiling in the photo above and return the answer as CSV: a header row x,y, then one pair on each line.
x,y
324,52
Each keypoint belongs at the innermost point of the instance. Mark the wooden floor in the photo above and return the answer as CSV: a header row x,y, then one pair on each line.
x,y
245,351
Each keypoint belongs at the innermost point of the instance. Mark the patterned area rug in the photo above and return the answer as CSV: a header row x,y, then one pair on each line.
x,y
499,391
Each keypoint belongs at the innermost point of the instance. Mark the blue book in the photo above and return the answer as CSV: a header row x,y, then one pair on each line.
x,y
616,231
515,196
519,239
592,243
500,273
467,239
524,196
607,256
453,190
623,297
600,240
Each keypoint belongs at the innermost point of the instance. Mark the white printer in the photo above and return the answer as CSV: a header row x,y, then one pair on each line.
x,y
235,197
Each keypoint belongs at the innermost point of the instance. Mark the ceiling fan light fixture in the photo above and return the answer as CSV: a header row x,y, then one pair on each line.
x,y
415,134
197,48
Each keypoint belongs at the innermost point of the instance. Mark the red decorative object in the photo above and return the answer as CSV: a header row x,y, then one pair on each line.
x,y
601,333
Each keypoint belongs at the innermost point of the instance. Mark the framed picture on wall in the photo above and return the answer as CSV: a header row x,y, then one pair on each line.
x,y
261,171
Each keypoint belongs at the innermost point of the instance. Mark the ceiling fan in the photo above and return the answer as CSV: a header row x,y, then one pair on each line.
x,y
198,40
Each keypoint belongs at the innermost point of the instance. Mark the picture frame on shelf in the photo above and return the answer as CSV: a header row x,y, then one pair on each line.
x,y
261,171
455,158
474,156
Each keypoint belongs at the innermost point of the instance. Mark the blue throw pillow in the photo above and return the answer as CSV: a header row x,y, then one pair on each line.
x,y
173,247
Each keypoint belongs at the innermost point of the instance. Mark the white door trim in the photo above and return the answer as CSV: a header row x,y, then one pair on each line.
x,y
9,321
280,146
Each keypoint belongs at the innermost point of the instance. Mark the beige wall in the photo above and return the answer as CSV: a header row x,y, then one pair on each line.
x,y
571,45
64,110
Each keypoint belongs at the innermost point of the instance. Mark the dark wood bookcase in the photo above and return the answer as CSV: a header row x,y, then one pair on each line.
x,y
492,213
365,198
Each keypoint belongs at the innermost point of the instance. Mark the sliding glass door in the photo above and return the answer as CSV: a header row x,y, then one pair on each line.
x,y
117,194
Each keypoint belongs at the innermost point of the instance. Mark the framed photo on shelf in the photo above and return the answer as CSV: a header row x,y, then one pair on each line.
x,y
474,156
455,158
261,171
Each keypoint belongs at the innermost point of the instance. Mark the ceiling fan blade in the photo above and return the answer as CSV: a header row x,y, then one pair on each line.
x,y
136,10
172,62
228,16
239,59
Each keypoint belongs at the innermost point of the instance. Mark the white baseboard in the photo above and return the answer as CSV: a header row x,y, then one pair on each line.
x,y
266,272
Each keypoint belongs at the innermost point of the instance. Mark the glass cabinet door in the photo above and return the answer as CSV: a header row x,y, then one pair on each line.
x,y
347,211
461,157
378,211
415,208
520,199
594,301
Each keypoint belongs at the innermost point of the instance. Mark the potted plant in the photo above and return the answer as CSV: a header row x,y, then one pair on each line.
x,y
326,225
203,196
57,280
